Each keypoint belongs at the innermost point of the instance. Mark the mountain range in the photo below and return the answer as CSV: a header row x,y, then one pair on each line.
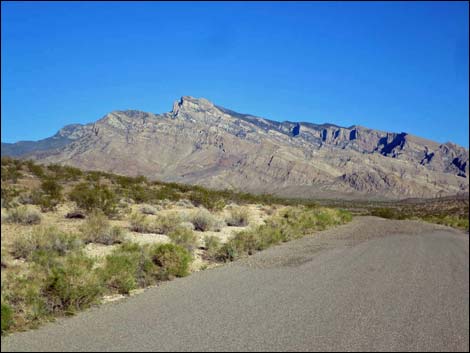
x,y
198,142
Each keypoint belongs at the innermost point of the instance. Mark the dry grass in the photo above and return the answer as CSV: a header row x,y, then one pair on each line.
x,y
97,229
238,217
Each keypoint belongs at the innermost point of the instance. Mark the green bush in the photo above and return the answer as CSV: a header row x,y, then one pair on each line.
x,y
93,197
212,245
138,193
384,213
238,217
126,268
36,169
47,239
268,235
184,237
51,188
163,193
449,220
172,260
66,173
207,199
97,229
6,316
290,223
23,215
72,285
23,293
49,195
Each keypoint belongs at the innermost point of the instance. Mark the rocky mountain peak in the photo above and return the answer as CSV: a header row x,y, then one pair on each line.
x,y
190,104
68,131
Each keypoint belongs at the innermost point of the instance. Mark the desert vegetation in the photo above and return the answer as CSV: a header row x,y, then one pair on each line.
x,y
449,211
71,238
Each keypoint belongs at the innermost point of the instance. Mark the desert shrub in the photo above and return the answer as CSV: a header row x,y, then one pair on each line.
x,y
8,196
97,229
149,210
211,242
304,220
128,181
22,291
6,160
136,192
227,252
118,273
184,203
290,223
385,212
23,215
268,235
35,169
140,223
212,245
344,216
163,193
187,225
44,202
93,176
51,188
207,199
247,243
64,172
69,173
126,268
48,196
26,198
165,223
10,173
92,197
449,220
203,220
238,216
46,239
6,316
172,260
72,285
184,237
55,285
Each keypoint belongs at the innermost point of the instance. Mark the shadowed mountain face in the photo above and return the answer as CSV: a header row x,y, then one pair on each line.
x,y
201,143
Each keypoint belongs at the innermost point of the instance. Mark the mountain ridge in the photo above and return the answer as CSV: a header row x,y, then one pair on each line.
x,y
202,143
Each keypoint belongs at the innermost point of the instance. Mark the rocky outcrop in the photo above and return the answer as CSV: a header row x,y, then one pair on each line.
x,y
202,143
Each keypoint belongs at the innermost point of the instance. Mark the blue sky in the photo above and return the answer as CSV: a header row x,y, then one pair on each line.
x,y
390,66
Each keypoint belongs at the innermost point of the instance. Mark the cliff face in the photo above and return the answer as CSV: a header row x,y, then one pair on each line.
x,y
199,142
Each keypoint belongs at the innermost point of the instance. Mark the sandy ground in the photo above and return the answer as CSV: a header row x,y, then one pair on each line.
x,y
258,214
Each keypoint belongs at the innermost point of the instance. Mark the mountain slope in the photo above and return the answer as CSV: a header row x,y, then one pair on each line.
x,y
202,143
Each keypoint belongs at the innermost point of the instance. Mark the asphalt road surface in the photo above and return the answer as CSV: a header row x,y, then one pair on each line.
x,y
372,285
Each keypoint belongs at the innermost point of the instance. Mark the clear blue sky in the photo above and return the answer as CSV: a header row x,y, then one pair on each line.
x,y
390,66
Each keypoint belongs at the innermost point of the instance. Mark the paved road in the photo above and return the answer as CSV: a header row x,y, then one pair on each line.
x,y
370,285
